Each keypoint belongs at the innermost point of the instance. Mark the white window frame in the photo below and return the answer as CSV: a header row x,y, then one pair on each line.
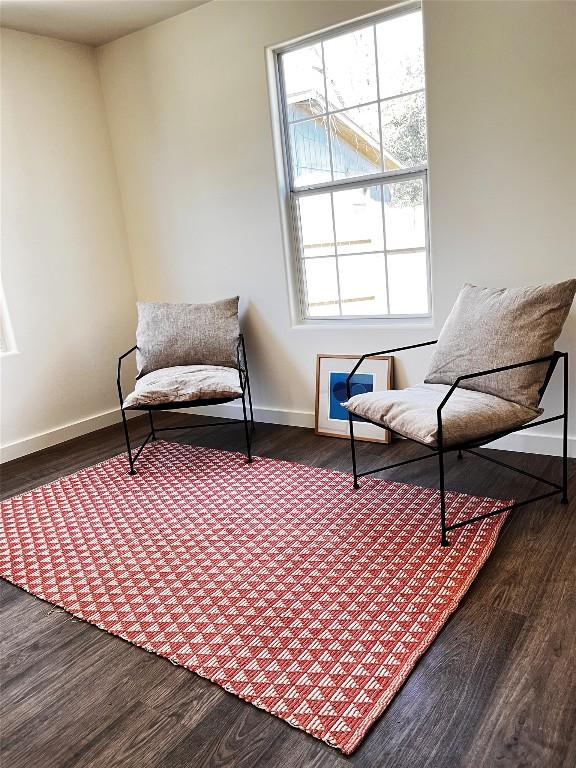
x,y
289,194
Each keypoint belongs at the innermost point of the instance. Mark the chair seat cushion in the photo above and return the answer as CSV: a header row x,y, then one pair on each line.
x,y
185,383
468,415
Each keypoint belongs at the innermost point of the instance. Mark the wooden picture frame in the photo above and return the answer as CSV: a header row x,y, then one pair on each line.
x,y
331,371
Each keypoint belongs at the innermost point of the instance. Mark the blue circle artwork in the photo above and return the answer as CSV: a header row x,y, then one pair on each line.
x,y
360,384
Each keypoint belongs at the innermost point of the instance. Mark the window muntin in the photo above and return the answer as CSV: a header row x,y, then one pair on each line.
x,y
354,113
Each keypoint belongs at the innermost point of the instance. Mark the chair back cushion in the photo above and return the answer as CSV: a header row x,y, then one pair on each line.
x,y
489,328
187,334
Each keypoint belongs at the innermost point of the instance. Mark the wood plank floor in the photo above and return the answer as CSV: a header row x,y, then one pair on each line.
x,y
497,688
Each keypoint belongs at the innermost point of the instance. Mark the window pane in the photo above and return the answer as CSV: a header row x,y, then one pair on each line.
x,y
408,283
404,132
355,139
400,54
350,62
322,287
363,284
316,227
404,215
304,82
310,154
358,219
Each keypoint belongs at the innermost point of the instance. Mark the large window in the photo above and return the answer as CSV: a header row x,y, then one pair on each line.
x,y
354,118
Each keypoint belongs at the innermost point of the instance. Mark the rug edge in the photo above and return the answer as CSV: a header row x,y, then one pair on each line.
x,y
380,707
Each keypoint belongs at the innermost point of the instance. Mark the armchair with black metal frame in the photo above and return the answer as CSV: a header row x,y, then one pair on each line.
x,y
467,446
245,396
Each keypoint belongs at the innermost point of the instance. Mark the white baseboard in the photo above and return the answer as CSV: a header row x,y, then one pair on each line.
x,y
523,442
267,415
60,435
535,442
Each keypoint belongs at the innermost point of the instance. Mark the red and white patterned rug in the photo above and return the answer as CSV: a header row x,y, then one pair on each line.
x,y
275,580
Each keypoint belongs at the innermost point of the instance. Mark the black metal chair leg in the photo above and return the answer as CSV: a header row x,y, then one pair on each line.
x,y
246,431
460,455
127,438
442,497
243,369
353,449
564,499
152,431
252,425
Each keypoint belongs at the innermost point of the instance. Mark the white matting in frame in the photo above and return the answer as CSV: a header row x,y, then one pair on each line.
x,y
375,374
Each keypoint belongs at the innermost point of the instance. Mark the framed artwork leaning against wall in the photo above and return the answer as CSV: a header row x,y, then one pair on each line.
x,y
375,374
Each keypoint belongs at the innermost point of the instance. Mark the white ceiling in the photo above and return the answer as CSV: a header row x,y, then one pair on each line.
x,y
93,22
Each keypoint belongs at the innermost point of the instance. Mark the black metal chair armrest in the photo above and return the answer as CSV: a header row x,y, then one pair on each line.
x,y
118,375
241,358
383,352
241,352
553,358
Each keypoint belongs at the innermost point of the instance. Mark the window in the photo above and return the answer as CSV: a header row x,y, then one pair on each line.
x,y
354,118
7,345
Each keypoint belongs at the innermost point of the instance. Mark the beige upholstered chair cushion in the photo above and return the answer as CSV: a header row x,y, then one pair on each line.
x,y
489,328
187,334
467,415
185,383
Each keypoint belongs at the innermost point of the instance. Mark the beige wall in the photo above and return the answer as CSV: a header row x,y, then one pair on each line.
x,y
65,268
188,109
190,119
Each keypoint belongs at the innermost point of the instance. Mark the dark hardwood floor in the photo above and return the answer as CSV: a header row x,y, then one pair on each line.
x,y
497,688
